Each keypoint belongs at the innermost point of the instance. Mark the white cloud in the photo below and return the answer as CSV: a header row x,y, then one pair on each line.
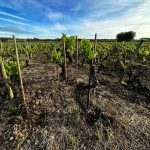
x,y
49,31
55,15
12,21
14,16
105,17
14,30
46,28
136,19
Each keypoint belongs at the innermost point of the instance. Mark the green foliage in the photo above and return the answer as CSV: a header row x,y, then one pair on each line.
x,y
70,44
8,53
52,46
122,64
11,68
64,36
54,49
56,56
144,52
86,48
103,48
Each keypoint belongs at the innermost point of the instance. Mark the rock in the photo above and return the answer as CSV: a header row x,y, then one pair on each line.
x,y
11,138
100,97
79,80
52,137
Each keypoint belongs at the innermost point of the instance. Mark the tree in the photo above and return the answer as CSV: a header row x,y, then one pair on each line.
x,y
125,36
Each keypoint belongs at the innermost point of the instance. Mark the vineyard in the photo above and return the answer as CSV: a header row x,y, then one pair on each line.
x,y
75,93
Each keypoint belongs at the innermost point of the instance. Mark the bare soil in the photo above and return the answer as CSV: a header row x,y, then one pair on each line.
x,y
56,120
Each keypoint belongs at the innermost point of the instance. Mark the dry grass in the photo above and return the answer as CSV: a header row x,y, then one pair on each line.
x,y
66,126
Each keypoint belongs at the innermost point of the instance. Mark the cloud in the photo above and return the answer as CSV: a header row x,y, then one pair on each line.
x,y
12,21
15,30
83,18
6,34
49,31
135,18
55,15
109,29
15,4
14,16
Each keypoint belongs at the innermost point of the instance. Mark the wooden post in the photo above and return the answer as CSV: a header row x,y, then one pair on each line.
x,y
8,87
77,50
125,54
119,55
1,52
4,75
109,60
91,93
131,60
57,69
89,90
65,66
77,53
1,48
95,44
30,53
19,71
117,63
27,48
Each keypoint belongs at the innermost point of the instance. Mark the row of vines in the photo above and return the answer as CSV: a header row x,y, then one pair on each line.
x,y
113,57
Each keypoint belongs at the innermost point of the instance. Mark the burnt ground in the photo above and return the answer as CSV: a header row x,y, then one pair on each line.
x,y
56,120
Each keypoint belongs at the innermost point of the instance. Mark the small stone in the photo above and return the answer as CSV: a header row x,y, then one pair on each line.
x,y
52,137
11,138
34,106
100,97
79,80
37,102
28,141
36,142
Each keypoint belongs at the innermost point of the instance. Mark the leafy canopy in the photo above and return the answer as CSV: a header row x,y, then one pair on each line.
x,y
125,36
86,47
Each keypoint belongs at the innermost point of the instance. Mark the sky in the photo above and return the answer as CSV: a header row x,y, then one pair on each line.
x,y
84,18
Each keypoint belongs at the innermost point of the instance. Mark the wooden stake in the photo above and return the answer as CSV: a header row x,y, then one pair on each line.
x,y
89,90
27,48
131,60
77,53
19,71
57,69
65,65
30,53
77,50
125,53
119,55
4,75
1,52
8,87
95,44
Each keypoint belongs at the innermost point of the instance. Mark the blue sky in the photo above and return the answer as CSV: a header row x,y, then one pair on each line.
x,y
50,18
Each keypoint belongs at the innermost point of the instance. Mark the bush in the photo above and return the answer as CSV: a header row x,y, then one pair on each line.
x,y
125,36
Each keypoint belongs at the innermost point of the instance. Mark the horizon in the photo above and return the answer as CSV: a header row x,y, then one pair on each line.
x,y
49,19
